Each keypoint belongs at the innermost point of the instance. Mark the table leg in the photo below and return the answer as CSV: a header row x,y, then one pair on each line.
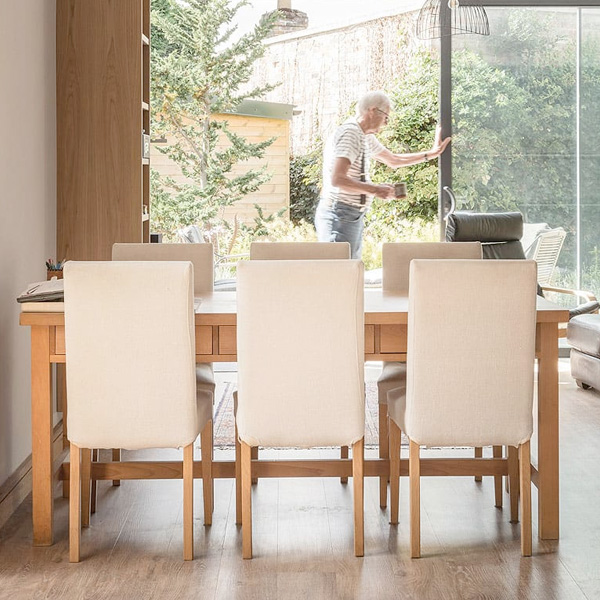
x,y
41,436
548,433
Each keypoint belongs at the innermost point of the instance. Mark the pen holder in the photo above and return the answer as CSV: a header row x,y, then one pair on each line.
x,y
55,273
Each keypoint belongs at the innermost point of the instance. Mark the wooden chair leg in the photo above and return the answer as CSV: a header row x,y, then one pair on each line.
x,y
188,502
86,466
358,481
414,465
384,449
497,453
206,448
394,454
246,466
94,492
254,457
525,481
116,457
238,479
478,453
507,479
74,505
344,454
513,476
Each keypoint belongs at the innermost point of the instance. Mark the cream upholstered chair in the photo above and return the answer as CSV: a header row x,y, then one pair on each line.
x,y
469,379
136,320
396,258
299,250
201,257
300,344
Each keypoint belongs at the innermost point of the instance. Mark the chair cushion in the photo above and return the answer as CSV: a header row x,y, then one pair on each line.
x,y
585,368
392,376
503,250
583,333
205,378
204,404
484,227
205,393
396,401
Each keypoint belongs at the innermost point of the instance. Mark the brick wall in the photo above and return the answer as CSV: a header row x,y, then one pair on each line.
x,y
322,73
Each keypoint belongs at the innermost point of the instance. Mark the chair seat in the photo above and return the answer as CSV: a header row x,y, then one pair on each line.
x,y
205,389
205,377
392,376
396,401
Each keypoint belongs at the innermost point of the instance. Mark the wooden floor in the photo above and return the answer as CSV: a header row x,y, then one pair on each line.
x,y
303,539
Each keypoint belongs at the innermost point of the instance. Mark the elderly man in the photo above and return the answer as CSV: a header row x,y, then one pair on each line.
x,y
347,189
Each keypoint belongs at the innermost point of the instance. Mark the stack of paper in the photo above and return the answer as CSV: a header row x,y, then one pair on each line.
x,y
44,291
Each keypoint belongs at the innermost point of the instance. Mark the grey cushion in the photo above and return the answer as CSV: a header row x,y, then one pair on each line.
x,y
585,369
484,227
504,250
583,333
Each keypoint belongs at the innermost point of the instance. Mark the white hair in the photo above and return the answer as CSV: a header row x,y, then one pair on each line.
x,y
376,99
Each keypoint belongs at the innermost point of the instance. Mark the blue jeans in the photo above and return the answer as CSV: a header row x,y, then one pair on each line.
x,y
340,222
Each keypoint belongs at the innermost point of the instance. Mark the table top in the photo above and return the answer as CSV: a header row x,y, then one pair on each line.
x,y
220,308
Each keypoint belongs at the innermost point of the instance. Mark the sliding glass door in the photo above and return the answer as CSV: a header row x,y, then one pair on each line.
x,y
525,105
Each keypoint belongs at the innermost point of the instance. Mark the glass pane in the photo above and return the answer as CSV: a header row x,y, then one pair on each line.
x,y
514,107
589,229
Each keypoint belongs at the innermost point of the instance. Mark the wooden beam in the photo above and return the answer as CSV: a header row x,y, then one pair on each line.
x,y
377,467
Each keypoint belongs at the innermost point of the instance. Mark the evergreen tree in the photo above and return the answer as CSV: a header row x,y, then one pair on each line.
x,y
198,69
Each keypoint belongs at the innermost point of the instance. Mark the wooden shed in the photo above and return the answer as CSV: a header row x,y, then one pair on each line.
x,y
256,121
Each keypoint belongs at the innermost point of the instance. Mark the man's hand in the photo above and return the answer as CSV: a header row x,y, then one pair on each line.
x,y
385,191
439,145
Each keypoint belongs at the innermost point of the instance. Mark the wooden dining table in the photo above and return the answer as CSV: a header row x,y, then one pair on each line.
x,y
386,317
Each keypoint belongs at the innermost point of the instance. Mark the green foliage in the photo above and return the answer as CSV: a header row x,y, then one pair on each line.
x,y
198,70
262,222
305,184
411,128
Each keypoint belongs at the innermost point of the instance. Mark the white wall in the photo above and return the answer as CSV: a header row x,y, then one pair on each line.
x,y
27,200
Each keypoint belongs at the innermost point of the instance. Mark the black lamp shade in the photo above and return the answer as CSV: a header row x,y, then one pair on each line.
x,y
435,20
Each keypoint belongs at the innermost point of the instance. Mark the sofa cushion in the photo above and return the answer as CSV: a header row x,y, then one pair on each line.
x,y
583,333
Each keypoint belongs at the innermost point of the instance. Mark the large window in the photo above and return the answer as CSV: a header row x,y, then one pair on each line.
x,y
526,120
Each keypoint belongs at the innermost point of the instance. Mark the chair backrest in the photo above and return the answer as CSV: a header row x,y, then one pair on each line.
x,y
200,255
299,250
499,232
129,334
471,352
545,251
300,344
396,258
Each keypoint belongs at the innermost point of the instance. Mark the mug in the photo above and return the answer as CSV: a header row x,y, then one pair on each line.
x,y
400,189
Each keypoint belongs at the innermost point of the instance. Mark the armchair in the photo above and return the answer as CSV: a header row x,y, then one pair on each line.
x,y
500,235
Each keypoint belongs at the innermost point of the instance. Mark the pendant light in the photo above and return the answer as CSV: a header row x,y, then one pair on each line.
x,y
435,21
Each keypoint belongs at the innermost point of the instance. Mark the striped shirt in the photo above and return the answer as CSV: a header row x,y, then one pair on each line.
x,y
349,141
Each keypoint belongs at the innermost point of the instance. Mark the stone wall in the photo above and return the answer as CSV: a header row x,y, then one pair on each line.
x,y
323,72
